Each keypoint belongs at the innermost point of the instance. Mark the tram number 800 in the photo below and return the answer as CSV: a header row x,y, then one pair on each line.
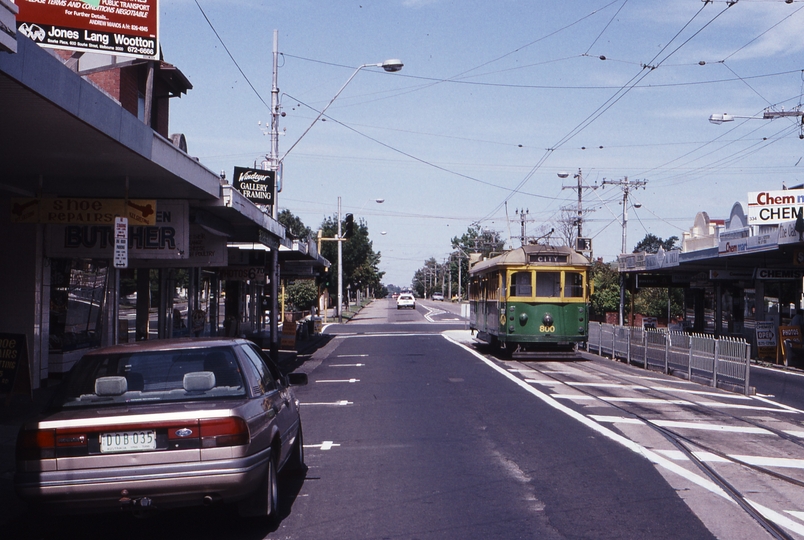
x,y
547,329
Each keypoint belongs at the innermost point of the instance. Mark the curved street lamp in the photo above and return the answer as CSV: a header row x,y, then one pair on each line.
x,y
767,115
391,66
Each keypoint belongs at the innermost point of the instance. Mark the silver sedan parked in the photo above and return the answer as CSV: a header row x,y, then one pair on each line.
x,y
162,424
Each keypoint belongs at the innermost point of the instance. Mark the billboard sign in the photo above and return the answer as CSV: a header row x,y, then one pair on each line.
x,y
256,185
775,207
118,27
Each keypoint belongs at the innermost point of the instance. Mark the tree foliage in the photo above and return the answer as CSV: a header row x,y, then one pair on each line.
x,y
294,225
360,261
652,301
651,244
606,297
301,295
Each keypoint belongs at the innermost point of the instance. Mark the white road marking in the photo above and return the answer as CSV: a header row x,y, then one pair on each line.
x,y
339,380
760,461
615,419
796,514
606,432
699,392
646,401
652,456
576,397
794,433
340,403
609,385
351,356
716,405
776,517
546,382
347,365
682,425
326,445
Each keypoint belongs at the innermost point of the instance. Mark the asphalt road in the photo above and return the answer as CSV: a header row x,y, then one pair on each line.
x,y
413,432
414,437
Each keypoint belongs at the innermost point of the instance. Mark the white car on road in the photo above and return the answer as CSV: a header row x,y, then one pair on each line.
x,y
405,300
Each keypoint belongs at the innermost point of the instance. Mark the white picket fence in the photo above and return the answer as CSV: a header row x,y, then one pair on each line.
x,y
724,361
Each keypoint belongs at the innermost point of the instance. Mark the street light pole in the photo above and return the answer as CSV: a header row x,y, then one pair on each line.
x,y
340,265
626,186
389,65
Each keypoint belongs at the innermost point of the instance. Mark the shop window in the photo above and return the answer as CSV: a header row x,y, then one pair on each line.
x,y
77,292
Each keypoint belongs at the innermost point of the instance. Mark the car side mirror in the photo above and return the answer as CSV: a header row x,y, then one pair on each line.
x,y
297,379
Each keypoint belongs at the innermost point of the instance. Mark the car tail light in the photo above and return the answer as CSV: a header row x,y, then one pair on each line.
x,y
33,444
231,431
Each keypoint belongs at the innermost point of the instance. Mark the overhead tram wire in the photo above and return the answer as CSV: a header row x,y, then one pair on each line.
x,y
230,55
618,95
415,158
744,80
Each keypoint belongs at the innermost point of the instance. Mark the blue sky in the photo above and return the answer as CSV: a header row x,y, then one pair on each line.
x,y
494,100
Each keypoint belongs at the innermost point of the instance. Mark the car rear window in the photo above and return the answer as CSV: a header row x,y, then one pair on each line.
x,y
152,376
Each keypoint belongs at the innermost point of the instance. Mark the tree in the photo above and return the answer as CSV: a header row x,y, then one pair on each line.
x,y
360,261
651,244
484,242
302,294
606,297
294,226
653,301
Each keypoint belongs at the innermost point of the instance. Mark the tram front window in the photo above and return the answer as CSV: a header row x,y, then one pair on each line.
x,y
573,285
548,284
521,284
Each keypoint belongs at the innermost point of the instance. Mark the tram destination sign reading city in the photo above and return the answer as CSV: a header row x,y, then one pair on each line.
x,y
775,207
118,27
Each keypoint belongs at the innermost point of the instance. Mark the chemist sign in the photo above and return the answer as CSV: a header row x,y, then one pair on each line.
x,y
256,185
118,27
775,207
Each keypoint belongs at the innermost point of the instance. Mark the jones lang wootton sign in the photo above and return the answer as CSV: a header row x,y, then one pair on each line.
x,y
256,185
118,27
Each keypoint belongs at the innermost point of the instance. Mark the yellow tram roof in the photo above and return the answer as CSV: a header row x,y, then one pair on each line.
x,y
533,255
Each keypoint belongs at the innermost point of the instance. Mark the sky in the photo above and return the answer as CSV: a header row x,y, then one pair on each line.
x,y
495,100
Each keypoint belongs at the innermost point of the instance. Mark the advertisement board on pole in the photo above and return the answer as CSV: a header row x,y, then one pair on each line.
x,y
118,27
256,185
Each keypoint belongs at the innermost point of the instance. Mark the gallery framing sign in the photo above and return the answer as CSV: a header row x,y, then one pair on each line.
x,y
256,185
118,27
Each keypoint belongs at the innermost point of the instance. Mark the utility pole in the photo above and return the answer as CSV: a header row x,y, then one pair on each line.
x,y
626,186
523,225
274,158
580,188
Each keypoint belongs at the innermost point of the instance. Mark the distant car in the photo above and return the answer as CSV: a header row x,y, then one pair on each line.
x,y
405,300
162,424
438,296
395,296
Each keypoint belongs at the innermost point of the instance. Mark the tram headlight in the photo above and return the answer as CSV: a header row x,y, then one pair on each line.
x,y
523,318
547,320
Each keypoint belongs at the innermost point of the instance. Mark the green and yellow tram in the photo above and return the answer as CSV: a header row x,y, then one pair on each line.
x,y
532,301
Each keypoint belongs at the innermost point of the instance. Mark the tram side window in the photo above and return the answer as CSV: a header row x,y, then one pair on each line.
x,y
521,284
573,285
548,284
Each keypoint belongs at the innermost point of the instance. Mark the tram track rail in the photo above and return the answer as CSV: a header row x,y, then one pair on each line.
x,y
685,444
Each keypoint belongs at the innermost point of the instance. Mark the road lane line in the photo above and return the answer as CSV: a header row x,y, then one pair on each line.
x,y
347,365
652,456
338,380
340,403
326,445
